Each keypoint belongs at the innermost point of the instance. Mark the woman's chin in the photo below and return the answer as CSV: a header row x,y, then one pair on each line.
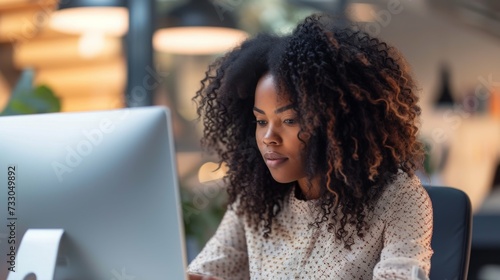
x,y
282,179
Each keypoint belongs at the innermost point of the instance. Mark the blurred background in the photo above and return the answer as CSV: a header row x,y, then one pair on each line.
x,y
85,55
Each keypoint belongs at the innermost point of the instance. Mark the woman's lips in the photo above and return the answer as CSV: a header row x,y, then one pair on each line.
x,y
274,159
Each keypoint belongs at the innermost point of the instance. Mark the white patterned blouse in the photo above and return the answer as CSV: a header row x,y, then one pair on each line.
x,y
396,245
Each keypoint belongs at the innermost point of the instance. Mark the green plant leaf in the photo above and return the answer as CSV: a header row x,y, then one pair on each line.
x,y
32,101
26,99
202,222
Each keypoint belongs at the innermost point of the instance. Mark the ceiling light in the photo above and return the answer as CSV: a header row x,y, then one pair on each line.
x,y
108,17
197,28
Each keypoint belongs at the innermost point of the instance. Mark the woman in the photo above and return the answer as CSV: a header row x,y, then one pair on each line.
x,y
319,132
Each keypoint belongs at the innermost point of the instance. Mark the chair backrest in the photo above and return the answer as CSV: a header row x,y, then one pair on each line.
x,y
451,239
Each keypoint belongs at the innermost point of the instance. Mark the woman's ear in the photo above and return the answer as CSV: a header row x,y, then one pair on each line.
x,y
304,136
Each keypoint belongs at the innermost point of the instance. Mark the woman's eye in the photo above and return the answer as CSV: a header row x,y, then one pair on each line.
x,y
290,121
261,122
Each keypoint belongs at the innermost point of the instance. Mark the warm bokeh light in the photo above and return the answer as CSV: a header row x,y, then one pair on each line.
x,y
64,51
91,44
108,20
209,172
197,40
361,12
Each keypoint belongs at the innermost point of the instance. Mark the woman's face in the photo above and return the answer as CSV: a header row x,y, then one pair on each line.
x,y
277,132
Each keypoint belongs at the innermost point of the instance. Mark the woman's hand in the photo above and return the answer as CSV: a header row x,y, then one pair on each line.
x,y
202,277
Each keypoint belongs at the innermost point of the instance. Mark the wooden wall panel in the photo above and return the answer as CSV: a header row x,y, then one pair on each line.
x,y
48,53
8,5
85,72
110,100
4,92
85,80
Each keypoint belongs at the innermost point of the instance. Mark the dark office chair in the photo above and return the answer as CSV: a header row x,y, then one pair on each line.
x,y
451,240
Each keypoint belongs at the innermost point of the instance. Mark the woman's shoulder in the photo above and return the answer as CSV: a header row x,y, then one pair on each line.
x,y
403,182
403,188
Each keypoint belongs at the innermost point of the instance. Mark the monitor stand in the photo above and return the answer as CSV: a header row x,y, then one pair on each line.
x,y
37,254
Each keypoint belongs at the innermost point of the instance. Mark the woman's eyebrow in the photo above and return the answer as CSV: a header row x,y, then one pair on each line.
x,y
258,110
277,111
283,109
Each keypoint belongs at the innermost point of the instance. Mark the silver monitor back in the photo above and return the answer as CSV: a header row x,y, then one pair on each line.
x,y
108,178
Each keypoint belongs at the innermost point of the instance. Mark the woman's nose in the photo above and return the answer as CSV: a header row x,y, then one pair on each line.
x,y
271,137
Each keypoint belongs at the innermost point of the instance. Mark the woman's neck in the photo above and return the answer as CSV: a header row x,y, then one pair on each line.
x,y
308,189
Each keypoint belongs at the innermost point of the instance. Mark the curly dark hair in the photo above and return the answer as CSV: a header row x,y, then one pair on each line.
x,y
355,98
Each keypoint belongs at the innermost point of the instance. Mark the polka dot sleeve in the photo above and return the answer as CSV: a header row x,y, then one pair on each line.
x,y
407,250
225,254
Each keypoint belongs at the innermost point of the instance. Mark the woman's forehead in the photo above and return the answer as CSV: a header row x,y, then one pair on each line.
x,y
267,87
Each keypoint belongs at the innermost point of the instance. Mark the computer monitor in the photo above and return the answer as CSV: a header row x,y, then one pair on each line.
x,y
107,178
